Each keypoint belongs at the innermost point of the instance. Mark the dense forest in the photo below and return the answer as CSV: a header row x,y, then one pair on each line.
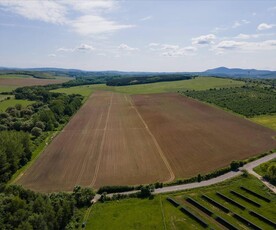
x,y
146,79
22,130
247,100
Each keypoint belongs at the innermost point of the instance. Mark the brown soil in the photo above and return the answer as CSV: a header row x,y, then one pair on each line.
x,y
106,143
21,82
198,138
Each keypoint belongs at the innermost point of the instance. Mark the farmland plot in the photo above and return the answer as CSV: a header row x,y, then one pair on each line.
x,y
118,139
106,143
197,138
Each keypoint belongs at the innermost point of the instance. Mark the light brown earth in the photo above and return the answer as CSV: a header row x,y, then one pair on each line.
x,y
117,139
106,143
21,82
198,138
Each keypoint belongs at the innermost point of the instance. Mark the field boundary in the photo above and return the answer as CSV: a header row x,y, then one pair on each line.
x,y
160,151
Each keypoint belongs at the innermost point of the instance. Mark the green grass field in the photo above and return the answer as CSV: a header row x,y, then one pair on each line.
x,y
200,83
266,120
160,214
82,90
3,97
7,88
12,102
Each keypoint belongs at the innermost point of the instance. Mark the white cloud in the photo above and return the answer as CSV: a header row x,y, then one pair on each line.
x,y
85,47
264,26
248,36
146,18
126,47
89,20
204,39
62,49
170,50
92,24
81,47
245,46
218,29
240,23
46,11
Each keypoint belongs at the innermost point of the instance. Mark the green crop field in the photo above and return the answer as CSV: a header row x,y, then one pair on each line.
x,y
265,120
158,213
82,90
12,102
199,83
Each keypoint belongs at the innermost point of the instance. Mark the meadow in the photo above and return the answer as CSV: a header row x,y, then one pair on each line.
x,y
12,102
199,83
158,213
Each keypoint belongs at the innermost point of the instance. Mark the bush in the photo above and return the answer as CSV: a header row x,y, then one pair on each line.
x,y
36,131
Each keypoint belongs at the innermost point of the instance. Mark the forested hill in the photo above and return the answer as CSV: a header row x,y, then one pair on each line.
x,y
75,73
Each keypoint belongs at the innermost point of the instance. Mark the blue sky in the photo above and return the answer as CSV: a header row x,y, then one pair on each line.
x,y
140,35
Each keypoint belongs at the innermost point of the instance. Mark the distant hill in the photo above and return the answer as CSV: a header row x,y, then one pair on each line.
x,y
243,73
60,72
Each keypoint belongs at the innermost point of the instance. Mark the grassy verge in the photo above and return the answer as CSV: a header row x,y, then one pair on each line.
x,y
158,213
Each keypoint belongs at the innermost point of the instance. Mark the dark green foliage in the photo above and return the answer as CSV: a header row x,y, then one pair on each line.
x,y
234,165
15,151
115,189
146,191
25,209
270,174
248,101
147,79
83,196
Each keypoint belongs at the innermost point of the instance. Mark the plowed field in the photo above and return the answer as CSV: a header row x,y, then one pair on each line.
x,y
106,143
116,139
20,82
197,138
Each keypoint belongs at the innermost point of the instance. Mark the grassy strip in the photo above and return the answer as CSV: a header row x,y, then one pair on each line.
x,y
262,218
225,223
245,198
194,216
255,194
215,203
229,200
246,222
199,206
